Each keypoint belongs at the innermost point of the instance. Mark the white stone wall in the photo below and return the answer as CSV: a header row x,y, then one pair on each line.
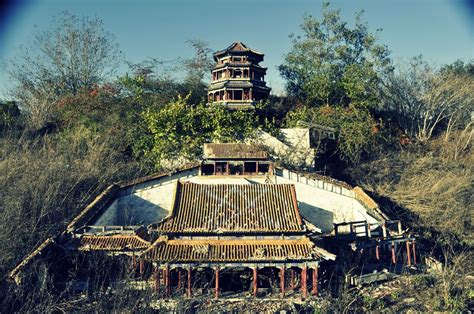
x,y
144,203
323,203
295,148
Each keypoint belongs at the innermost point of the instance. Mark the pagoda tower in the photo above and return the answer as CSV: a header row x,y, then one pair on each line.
x,y
237,78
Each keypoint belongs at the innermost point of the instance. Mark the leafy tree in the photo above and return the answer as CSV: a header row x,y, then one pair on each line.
x,y
355,128
178,130
332,63
459,67
74,55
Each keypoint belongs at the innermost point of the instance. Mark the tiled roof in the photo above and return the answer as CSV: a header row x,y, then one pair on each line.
x,y
233,151
237,46
232,83
113,243
235,250
40,249
368,202
234,208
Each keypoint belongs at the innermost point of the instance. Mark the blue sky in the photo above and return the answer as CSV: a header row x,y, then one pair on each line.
x,y
442,31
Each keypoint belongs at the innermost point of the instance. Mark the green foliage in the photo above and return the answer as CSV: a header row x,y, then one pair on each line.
x,y
179,129
459,67
356,129
333,63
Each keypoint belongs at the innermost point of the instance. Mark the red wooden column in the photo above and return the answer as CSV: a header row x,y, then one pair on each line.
x,y
189,283
255,281
377,252
282,281
408,253
314,290
217,283
414,252
304,276
394,258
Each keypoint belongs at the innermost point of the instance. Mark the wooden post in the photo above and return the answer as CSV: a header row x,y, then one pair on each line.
x,y
292,279
304,277
408,253
384,230
414,252
394,258
157,280
377,252
189,282
314,291
179,279
217,283
142,268
167,280
282,281
255,281
399,227
367,226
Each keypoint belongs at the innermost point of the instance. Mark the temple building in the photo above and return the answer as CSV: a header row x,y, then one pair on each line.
x,y
234,224
237,78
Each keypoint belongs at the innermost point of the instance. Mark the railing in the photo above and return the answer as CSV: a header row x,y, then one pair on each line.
x,y
369,230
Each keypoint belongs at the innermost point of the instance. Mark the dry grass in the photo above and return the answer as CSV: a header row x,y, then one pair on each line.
x,y
45,181
429,182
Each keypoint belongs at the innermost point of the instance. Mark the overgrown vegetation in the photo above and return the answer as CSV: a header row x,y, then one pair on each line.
x,y
404,133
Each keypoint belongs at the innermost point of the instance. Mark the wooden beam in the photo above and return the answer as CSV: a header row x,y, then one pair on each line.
x,y
394,258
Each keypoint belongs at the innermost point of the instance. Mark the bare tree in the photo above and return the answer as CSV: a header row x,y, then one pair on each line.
x,y
72,56
425,100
